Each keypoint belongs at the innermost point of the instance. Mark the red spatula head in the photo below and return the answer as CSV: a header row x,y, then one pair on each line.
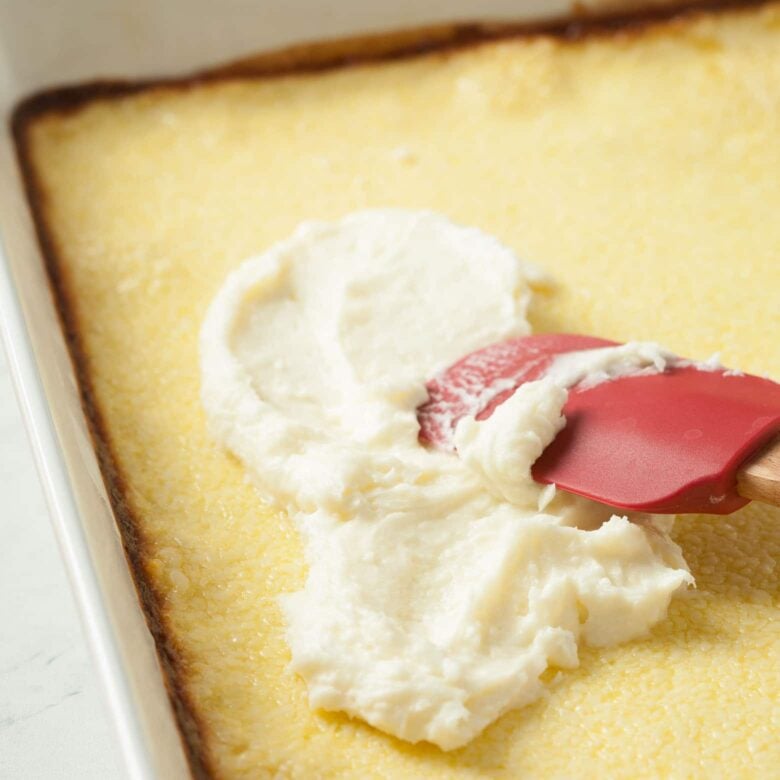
x,y
669,442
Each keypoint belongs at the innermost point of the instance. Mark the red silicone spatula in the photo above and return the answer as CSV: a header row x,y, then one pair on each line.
x,y
684,440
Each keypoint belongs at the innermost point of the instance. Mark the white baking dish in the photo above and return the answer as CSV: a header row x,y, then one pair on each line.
x,y
45,43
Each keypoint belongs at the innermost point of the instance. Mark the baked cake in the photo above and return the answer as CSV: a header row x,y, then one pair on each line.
x,y
637,163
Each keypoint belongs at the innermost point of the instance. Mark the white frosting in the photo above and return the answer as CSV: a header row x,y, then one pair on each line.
x,y
438,590
590,367
502,449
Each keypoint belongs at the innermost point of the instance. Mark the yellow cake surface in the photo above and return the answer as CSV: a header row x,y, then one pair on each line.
x,y
640,169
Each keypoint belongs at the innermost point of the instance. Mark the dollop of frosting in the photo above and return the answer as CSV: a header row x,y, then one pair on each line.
x,y
440,587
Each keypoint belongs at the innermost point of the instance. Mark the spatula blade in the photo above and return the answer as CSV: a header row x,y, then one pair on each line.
x,y
670,442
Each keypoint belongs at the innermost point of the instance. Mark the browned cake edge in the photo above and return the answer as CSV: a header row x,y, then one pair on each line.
x,y
306,58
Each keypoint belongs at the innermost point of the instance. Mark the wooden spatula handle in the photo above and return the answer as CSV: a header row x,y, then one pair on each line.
x,y
759,477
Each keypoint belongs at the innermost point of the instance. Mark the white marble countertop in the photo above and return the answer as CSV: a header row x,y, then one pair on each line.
x,y
53,721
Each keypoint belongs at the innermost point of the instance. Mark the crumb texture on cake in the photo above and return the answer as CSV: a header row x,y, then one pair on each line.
x,y
639,169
